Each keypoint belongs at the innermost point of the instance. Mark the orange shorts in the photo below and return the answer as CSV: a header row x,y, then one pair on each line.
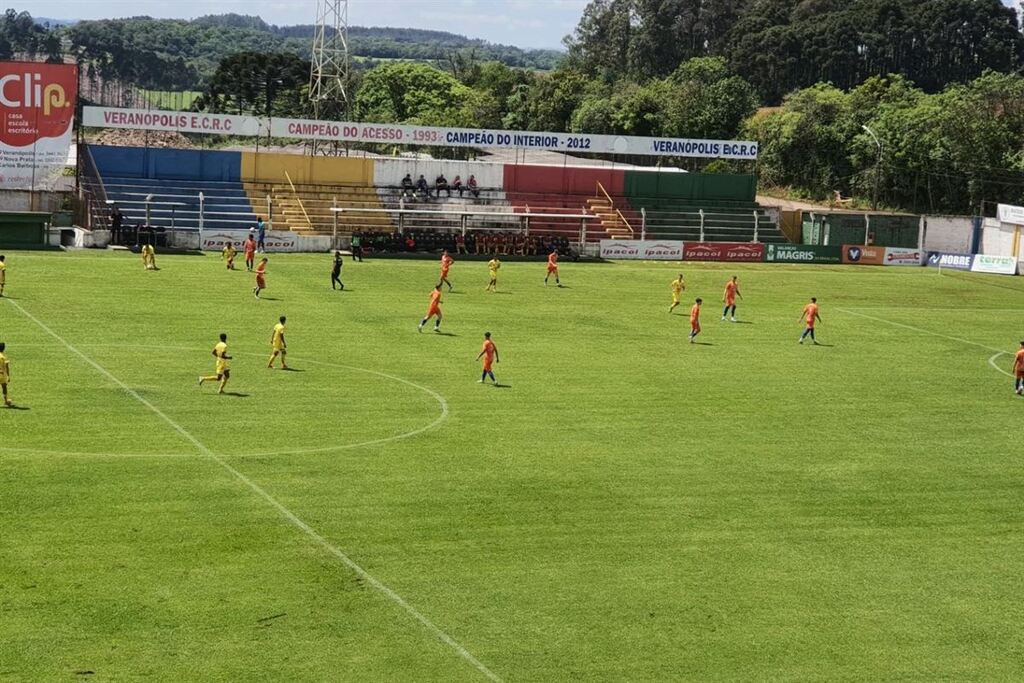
x,y
487,364
552,269
444,273
1020,374
694,327
730,301
261,282
434,310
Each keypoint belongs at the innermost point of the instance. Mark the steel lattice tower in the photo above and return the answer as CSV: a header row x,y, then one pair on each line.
x,y
330,72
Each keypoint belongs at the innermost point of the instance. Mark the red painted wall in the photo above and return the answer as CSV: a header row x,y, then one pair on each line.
x,y
562,179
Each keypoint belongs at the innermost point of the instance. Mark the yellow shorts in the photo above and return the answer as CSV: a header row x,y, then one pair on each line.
x,y
494,274
675,298
221,368
3,379
280,349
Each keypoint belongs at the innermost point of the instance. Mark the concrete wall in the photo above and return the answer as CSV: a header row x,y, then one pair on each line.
x,y
23,200
389,172
948,233
998,239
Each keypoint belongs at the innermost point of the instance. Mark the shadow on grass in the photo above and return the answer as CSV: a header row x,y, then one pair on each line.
x,y
292,370
236,394
17,408
696,343
499,385
267,298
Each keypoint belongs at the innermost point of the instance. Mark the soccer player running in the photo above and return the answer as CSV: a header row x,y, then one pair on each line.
x,y
229,255
732,290
446,264
222,371
810,316
489,352
261,277
492,266
3,273
434,310
278,344
250,252
5,374
553,267
678,285
695,319
336,272
1018,369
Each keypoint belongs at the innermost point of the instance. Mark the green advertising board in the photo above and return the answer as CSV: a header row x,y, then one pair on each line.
x,y
802,253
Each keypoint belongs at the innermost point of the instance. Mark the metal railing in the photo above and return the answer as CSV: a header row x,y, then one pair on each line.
x,y
428,216
295,194
611,204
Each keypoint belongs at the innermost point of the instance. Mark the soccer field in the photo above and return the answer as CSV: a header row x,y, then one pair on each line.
x,y
626,507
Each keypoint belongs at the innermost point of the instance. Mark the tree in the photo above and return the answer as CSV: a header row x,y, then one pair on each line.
x,y
405,92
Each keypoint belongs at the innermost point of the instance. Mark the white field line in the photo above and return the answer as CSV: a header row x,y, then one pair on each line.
x,y
922,331
445,411
992,362
285,512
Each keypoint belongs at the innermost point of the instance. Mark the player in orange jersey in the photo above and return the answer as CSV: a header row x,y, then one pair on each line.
x,y
1018,370
261,277
489,352
695,319
446,264
434,310
810,316
732,290
553,267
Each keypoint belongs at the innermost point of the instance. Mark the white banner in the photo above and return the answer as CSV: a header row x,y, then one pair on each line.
x,y
176,121
895,256
387,133
647,250
1000,265
1009,213
276,240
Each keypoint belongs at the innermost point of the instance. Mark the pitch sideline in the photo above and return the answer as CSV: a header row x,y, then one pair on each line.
x,y
273,502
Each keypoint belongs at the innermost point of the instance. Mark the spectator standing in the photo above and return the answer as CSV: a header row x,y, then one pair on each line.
x,y
357,247
261,234
116,221
460,244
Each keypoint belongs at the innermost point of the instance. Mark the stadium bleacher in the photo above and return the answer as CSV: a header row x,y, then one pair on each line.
x,y
171,188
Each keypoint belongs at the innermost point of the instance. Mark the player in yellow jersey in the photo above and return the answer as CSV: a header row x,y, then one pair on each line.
x,y
229,256
5,374
493,265
678,285
3,273
223,369
149,257
278,344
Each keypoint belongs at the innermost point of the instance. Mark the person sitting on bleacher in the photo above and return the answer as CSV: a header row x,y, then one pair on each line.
x,y
407,186
422,187
457,184
471,184
441,185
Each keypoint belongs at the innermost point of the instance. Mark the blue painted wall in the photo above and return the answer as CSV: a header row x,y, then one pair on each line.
x,y
169,164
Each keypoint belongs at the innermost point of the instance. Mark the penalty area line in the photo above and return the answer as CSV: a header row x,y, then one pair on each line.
x,y
922,331
290,516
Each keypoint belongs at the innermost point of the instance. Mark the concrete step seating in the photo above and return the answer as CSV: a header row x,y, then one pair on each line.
x,y
175,203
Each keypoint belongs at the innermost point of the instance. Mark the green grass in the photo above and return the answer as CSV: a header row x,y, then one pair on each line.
x,y
171,99
631,508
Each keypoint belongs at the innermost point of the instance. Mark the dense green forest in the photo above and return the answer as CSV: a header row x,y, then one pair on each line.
x,y
912,104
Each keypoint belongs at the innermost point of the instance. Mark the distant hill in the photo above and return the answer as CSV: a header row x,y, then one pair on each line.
x,y
175,54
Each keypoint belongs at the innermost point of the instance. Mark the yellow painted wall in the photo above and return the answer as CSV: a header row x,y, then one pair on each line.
x,y
305,170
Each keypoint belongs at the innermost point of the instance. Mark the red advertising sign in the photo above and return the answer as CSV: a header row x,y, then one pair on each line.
x,y
37,109
723,251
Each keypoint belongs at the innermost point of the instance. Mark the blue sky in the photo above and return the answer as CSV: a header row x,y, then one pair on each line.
x,y
525,23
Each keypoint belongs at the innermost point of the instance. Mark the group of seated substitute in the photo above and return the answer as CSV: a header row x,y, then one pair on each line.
x,y
421,188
